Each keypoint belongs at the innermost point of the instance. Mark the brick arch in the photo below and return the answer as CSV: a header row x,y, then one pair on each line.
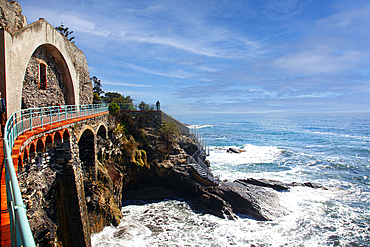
x,y
20,47
32,150
25,155
57,137
20,163
49,141
66,136
40,145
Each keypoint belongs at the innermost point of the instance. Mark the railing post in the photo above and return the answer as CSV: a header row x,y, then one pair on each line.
x,y
42,117
31,119
51,115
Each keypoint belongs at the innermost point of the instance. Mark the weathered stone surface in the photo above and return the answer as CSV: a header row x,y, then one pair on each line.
x,y
32,94
11,15
81,67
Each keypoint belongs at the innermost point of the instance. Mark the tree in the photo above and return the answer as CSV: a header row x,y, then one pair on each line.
x,y
168,131
96,98
97,87
113,109
123,99
116,98
143,106
65,32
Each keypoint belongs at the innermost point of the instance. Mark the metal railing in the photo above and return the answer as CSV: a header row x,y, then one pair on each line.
x,y
18,123
201,143
136,107
198,157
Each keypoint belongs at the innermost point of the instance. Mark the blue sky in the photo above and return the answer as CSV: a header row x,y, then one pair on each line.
x,y
224,56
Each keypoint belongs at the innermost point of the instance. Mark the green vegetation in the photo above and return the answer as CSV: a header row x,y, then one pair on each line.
x,y
144,106
113,109
116,98
65,32
97,86
168,131
96,98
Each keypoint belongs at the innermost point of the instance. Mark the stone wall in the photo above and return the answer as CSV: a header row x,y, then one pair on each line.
x,y
10,15
52,188
33,95
82,69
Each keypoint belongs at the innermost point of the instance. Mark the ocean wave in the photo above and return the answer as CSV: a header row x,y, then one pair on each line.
x,y
249,154
200,126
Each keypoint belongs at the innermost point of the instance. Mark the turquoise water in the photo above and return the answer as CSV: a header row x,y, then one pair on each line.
x,y
329,149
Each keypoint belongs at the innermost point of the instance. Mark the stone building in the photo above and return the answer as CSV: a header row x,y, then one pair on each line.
x,y
39,66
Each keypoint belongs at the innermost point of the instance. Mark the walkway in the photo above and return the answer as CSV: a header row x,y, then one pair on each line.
x,y
5,233
4,215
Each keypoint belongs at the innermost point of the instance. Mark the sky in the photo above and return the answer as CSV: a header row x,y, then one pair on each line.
x,y
239,56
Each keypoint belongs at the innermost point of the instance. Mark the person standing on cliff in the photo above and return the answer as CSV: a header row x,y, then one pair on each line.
x,y
2,115
158,105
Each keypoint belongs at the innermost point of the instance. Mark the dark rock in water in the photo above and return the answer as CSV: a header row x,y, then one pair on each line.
x,y
277,185
227,199
308,184
233,150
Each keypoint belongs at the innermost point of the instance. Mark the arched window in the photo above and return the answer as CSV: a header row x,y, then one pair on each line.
x,y
43,78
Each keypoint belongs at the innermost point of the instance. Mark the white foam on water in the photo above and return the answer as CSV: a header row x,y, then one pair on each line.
x,y
249,154
200,126
314,219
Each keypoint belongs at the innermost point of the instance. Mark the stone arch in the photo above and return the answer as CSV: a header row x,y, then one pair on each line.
x,y
20,163
20,45
66,136
32,150
57,137
25,156
86,147
39,146
48,141
50,87
86,127
102,131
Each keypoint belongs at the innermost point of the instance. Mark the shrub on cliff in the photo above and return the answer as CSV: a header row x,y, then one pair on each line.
x,y
168,131
113,109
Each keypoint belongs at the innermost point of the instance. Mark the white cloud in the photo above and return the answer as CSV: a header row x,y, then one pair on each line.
x,y
178,74
317,61
126,84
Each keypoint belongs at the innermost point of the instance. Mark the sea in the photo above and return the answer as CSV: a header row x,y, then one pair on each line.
x,y
330,149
